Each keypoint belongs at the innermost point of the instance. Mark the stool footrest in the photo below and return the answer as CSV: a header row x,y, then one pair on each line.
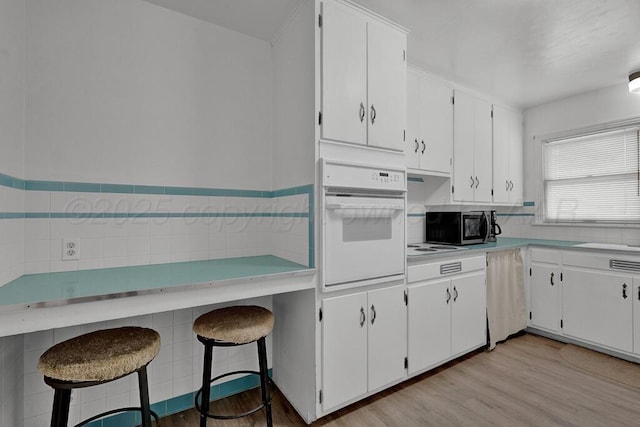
x,y
116,411
234,416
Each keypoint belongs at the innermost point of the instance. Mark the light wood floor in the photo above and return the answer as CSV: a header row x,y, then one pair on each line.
x,y
523,382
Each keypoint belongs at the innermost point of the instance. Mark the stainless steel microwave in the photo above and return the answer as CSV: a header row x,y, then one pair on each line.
x,y
457,228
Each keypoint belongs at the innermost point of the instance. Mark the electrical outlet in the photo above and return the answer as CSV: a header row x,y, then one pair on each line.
x,y
70,249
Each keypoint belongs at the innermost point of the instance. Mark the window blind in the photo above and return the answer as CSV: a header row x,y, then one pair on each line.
x,y
594,177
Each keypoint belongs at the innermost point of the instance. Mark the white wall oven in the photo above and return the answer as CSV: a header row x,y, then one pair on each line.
x,y
364,215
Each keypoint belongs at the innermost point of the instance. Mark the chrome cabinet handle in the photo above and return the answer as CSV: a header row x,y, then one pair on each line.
x,y
510,185
471,182
373,114
551,279
363,317
424,147
455,294
362,112
624,290
417,145
373,313
507,187
638,293
448,296
477,182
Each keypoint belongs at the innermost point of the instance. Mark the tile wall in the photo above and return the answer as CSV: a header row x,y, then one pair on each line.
x,y
118,225
11,385
11,229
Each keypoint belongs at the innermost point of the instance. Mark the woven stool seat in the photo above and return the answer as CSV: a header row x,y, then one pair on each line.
x,y
238,324
103,355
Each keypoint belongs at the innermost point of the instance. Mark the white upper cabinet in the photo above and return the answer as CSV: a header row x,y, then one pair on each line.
x,y
507,156
472,158
429,141
364,78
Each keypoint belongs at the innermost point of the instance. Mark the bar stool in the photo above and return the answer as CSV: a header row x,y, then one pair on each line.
x,y
228,327
97,358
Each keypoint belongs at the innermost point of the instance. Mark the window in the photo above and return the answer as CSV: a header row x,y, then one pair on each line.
x,y
593,177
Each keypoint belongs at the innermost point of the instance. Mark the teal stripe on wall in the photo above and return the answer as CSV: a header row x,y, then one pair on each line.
x,y
11,182
63,215
88,187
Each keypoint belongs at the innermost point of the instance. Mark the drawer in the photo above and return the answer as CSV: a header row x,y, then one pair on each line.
x,y
548,256
443,268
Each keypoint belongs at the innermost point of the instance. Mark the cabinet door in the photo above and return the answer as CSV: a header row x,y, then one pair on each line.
x,y
636,315
387,336
501,155
515,158
463,147
436,125
387,85
597,307
344,348
483,161
344,74
545,296
429,315
412,144
468,313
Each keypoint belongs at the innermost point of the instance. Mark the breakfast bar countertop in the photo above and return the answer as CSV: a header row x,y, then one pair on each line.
x,y
46,300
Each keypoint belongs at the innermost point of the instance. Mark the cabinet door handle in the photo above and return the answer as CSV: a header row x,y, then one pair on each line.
x,y
455,294
448,296
638,293
624,290
510,185
471,182
417,145
363,317
551,279
373,114
424,147
362,112
507,187
373,313
477,182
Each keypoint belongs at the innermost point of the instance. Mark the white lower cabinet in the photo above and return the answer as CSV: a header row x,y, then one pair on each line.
x,y
588,297
598,307
635,295
544,285
446,311
364,342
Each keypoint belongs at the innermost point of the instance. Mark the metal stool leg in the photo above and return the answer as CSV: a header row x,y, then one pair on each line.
x,y
264,378
206,383
143,386
61,402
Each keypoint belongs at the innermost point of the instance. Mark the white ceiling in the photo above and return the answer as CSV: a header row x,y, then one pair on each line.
x,y
523,52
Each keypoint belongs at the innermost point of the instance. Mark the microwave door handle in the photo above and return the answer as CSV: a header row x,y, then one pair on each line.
x,y
498,229
487,226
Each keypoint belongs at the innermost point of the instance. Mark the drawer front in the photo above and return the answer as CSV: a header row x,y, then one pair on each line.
x,y
443,268
547,256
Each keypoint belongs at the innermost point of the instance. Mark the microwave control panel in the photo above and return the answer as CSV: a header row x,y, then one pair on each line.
x,y
336,174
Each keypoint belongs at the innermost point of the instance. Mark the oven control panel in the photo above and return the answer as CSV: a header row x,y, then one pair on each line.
x,y
335,174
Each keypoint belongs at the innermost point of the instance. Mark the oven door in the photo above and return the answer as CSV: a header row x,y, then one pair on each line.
x,y
364,239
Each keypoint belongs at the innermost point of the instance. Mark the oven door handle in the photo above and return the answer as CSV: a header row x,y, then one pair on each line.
x,y
366,212
391,207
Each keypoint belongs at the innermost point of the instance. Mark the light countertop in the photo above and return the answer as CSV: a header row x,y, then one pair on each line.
x,y
51,300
